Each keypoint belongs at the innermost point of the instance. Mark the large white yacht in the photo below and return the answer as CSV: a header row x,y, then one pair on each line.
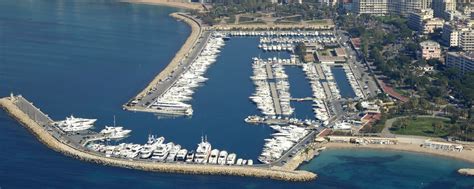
x,y
162,151
173,153
231,159
115,132
150,146
71,124
214,156
203,151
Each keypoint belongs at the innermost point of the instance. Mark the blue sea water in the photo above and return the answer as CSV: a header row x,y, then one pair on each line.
x,y
88,57
345,88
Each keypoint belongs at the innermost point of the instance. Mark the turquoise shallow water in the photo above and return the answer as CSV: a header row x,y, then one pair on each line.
x,y
88,57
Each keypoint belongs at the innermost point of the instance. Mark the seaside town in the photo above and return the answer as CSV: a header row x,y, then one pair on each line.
x,y
388,75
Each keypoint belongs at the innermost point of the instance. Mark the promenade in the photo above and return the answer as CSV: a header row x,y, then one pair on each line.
x,y
36,121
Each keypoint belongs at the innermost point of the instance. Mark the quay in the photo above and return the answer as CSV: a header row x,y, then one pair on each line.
x,y
38,124
276,100
181,61
268,67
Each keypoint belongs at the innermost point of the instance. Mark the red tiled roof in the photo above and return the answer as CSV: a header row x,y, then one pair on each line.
x,y
391,92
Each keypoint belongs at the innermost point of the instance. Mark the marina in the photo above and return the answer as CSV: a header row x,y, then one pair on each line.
x,y
173,94
120,47
272,88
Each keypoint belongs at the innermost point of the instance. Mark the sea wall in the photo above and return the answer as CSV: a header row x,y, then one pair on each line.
x,y
188,45
245,171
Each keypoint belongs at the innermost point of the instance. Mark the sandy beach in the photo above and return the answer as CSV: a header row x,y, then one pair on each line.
x,y
170,3
465,155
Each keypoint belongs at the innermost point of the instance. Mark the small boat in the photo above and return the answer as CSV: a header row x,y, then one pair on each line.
x,y
239,161
231,159
190,157
222,157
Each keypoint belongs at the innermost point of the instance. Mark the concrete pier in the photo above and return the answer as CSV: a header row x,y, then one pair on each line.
x,y
36,122
268,67
276,99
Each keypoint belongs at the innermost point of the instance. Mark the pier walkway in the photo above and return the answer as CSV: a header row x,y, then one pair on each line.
x,y
269,70
276,99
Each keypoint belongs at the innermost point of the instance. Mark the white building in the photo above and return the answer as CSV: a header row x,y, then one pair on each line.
x,y
375,7
466,39
462,61
384,7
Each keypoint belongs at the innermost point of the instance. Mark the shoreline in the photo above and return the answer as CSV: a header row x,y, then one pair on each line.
x,y
467,156
192,169
168,3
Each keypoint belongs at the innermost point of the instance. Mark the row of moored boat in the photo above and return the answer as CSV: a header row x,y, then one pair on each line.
x,y
263,96
175,99
353,82
319,106
283,139
157,150
73,124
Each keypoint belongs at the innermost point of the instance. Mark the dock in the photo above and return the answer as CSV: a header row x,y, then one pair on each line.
x,y
268,67
276,100
39,124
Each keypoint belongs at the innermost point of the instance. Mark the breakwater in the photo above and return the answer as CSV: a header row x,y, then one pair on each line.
x,y
39,129
467,172
181,56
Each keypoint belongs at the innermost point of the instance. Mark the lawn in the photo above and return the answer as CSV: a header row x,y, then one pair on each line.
x,y
430,127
